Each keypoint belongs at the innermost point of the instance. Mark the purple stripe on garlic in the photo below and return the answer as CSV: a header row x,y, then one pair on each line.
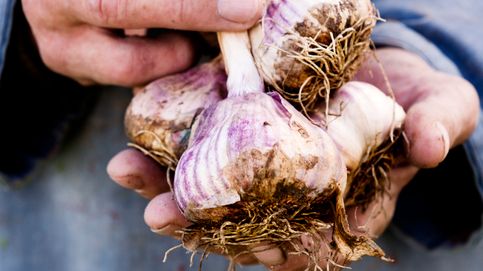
x,y
159,118
254,122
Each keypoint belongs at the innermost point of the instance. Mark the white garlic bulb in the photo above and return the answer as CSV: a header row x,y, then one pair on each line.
x,y
361,117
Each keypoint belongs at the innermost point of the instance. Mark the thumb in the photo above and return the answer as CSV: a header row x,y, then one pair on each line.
x,y
440,118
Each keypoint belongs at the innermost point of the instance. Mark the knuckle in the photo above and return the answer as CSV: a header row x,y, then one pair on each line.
x,y
182,55
109,12
131,71
179,12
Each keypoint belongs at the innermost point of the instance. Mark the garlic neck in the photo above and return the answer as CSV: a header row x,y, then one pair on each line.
x,y
243,77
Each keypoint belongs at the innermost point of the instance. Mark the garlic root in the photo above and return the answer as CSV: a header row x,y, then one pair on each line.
x,y
307,49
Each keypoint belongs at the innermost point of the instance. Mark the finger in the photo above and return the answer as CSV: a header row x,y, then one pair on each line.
x,y
318,248
201,15
268,254
141,32
396,72
133,170
374,219
162,215
293,263
95,55
443,115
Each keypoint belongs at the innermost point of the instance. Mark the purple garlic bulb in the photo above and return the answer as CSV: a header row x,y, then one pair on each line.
x,y
249,146
159,118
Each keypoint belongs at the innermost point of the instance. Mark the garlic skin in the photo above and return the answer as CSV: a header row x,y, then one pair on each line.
x,y
283,43
159,118
361,117
245,141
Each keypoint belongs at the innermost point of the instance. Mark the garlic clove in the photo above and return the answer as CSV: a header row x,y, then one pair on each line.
x,y
361,117
365,125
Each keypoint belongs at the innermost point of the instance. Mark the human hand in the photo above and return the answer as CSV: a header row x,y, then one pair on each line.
x,y
77,38
442,111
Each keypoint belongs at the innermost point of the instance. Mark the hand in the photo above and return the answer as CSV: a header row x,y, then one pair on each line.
x,y
77,38
442,111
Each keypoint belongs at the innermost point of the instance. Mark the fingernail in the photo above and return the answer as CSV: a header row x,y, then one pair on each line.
x,y
170,230
444,138
239,11
269,255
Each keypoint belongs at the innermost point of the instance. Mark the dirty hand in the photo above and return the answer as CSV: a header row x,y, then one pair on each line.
x,y
85,40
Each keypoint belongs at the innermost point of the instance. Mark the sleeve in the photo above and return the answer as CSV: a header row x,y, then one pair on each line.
x,y
39,109
6,14
441,206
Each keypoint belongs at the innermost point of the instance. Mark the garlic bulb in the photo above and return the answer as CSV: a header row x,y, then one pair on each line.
x,y
158,120
306,48
365,124
251,142
361,117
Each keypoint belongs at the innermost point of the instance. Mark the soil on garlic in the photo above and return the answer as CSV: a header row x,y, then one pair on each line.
x,y
278,211
325,61
371,179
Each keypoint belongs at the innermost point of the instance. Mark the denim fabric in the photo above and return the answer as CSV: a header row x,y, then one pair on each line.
x,y
6,10
454,27
448,35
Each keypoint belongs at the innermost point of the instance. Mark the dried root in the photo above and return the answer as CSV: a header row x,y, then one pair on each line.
x,y
161,153
371,180
284,221
327,66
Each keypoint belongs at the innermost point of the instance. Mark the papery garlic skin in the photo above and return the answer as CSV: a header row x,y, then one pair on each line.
x,y
242,137
361,117
291,26
159,118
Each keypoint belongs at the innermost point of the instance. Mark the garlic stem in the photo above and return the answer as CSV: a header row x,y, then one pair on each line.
x,y
243,77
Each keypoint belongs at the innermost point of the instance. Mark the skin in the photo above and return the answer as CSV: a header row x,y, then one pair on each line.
x,y
77,38
442,111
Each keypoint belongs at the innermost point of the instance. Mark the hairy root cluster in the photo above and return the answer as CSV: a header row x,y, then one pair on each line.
x,y
329,65
371,180
281,222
